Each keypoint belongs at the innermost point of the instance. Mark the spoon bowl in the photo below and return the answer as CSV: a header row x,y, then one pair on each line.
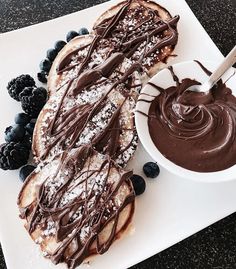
x,y
164,80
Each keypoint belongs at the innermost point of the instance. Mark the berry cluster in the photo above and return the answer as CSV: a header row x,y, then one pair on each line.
x,y
150,170
45,64
15,152
32,99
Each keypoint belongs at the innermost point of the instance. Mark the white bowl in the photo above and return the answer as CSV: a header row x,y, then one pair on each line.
x,y
164,79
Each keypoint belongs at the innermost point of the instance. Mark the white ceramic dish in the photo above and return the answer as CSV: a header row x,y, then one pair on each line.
x,y
170,210
164,79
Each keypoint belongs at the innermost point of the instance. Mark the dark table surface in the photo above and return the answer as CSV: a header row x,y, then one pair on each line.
x,y
215,246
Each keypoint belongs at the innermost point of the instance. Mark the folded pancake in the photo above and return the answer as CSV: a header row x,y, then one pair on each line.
x,y
78,48
143,30
93,109
77,205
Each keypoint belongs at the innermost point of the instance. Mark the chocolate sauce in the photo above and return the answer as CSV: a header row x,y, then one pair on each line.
x,y
90,76
192,129
66,60
159,89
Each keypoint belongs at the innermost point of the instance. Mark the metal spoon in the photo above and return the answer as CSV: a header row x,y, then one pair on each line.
x,y
229,60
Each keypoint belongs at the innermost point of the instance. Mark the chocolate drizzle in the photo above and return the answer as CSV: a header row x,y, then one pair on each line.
x,y
141,46
194,129
95,207
133,39
128,41
105,69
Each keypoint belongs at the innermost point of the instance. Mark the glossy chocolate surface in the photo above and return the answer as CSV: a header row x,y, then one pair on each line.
x,y
192,129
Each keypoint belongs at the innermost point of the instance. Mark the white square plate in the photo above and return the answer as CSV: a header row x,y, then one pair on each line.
x,y
170,210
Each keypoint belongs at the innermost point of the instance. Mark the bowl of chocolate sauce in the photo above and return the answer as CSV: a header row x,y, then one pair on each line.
x,y
191,134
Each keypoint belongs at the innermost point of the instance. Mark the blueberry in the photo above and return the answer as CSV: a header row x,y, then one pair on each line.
x,y
83,31
45,65
51,54
151,169
30,128
42,76
139,184
25,171
14,133
22,119
70,35
59,45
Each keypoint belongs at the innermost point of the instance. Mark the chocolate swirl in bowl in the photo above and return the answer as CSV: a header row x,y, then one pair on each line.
x,y
192,129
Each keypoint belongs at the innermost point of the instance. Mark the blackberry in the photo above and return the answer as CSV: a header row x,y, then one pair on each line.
x,y
59,45
25,171
42,76
13,155
139,184
70,35
45,65
16,85
32,100
83,31
14,133
151,169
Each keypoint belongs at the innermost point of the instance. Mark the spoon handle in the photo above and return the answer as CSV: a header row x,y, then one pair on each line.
x,y
229,60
